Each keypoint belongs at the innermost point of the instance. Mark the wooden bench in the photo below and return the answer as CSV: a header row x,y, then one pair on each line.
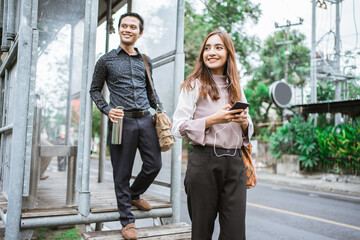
x,y
175,231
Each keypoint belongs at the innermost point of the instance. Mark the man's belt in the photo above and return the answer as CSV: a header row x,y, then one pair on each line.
x,y
136,113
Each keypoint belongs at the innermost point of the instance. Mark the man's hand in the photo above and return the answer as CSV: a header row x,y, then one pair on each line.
x,y
168,120
115,114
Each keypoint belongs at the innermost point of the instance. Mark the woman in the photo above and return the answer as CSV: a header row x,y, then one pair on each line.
x,y
215,180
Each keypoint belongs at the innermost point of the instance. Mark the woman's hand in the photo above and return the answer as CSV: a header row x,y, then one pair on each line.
x,y
241,118
223,115
115,114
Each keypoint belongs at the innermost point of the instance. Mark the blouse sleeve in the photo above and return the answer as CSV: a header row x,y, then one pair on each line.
x,y
183,122
246,139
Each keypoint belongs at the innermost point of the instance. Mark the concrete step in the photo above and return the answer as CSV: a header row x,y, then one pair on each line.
x,y
175,231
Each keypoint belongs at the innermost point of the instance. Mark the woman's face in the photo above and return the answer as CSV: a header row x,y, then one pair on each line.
x,y
215,55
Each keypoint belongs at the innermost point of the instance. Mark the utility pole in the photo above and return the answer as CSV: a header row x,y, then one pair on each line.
x,y
287,28
337,53
313,92
337,60
313,54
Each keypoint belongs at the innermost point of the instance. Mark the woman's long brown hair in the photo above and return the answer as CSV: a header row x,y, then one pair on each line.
x,y
201,72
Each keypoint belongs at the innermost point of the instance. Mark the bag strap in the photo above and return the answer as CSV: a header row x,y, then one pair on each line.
x,y
146,63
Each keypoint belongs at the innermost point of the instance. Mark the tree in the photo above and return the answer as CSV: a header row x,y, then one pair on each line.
x,y
272,68
272,57
228,15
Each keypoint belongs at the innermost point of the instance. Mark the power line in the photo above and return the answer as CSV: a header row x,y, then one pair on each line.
x,y
356,43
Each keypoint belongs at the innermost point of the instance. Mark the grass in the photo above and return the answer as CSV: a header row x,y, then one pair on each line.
x,y
55,234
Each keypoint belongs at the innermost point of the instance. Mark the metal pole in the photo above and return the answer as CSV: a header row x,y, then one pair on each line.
x,y
108,23
1,10
70,184
10,34
68,102
29,202
1,103
20,119
2,126
313,61
90,26
5,45
70,161
313,54
178,79
103,121
337,60
91,218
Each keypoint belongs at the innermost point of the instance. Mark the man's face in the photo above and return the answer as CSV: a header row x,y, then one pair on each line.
x,y
129,30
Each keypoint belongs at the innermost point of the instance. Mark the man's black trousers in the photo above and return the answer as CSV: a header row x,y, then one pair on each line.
x,y
216,185
138,133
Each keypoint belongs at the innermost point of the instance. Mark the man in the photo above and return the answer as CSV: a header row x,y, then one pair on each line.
x,y
124,72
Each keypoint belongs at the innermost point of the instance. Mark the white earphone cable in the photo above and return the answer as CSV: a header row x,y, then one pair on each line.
x,y
226,125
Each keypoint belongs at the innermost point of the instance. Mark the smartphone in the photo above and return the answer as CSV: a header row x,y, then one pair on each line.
x,y
240,105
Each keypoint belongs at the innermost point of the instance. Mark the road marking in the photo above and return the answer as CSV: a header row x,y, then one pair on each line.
x,y
283,211
303,215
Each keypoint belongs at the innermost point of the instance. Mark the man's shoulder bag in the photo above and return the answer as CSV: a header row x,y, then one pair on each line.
x,y
166,139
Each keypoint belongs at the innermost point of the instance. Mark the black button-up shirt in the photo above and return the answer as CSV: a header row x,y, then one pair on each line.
x,y
126,78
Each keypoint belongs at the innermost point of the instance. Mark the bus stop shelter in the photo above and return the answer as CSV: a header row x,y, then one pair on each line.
x,y
47,61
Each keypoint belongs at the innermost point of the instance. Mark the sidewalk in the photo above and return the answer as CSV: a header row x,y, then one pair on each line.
x,y
349,185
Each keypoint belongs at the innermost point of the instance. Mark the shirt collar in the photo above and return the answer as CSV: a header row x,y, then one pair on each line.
x,y
120,48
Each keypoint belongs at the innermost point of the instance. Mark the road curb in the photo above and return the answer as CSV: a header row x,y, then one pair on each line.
x,y
310,184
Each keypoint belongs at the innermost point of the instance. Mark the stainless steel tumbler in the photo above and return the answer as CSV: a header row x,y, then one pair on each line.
x,y
116,136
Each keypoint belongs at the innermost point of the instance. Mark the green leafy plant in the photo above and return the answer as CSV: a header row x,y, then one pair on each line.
x,y
326,92
264,133
298,137
336,147
282,142
307,146
342,141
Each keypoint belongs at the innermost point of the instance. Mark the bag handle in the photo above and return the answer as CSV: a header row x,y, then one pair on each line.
x,y
146,63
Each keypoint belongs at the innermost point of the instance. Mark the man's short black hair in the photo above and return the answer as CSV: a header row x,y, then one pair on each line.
x,y
132,14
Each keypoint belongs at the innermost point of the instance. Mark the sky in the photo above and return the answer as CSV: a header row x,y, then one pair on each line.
x,y
282,10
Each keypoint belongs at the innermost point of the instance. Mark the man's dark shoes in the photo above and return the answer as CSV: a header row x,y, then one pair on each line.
x,y
129,232
141,204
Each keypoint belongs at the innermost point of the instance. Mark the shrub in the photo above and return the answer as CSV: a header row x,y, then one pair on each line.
x,y
340,146
337,147
298,137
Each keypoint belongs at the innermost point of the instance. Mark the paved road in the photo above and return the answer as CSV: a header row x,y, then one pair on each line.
x,y
284,213
275,212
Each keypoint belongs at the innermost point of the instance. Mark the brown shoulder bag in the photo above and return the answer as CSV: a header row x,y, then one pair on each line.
x,y
166,139
251,179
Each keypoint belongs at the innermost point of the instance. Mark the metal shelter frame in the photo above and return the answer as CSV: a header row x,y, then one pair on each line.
x,y
20,46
